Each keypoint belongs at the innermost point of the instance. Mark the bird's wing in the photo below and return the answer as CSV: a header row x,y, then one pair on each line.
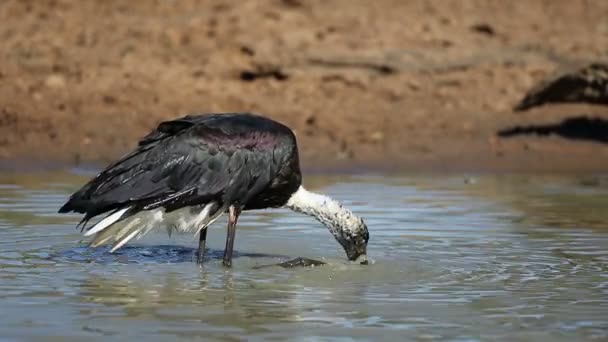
x,y
183,162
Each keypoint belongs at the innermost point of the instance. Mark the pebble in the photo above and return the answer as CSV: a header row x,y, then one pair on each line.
x,y
55,81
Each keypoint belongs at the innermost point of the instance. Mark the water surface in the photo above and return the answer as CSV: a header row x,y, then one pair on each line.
x,y
453,258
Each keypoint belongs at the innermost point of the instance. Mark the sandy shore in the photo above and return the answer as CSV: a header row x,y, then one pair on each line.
x,y
394,85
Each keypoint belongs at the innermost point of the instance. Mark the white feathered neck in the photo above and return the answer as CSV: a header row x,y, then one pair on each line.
x,y
326,210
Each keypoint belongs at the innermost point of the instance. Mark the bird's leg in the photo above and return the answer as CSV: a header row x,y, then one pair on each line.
x,y
233,215
202,239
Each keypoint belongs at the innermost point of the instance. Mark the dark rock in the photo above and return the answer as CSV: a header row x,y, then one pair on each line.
x,y
261,72
297,262
586,85
576,128
483,29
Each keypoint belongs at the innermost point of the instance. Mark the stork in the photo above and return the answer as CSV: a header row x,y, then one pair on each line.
x,y
189,171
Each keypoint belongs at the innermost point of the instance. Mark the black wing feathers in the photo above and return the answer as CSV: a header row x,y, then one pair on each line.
x,y
189,161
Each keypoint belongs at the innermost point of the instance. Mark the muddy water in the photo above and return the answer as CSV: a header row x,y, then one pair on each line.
x,y
454,258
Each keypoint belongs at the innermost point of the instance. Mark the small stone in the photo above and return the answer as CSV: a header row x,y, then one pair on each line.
x,y
483,28
109,99
344,155
55,81
377,136
311,120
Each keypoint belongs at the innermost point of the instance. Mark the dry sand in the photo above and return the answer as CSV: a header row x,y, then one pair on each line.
x,y
384,84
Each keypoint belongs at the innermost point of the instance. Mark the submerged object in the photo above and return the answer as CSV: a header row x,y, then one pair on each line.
x,y
297,262
189,171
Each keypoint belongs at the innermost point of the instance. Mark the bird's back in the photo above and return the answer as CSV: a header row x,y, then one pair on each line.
x,y
229,158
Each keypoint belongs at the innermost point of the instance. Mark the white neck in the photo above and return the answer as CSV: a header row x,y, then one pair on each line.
x,y
326,210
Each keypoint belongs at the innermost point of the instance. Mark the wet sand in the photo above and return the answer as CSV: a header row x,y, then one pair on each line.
x,y
391,85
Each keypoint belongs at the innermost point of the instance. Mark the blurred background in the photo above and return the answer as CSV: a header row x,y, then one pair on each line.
x,y
385,84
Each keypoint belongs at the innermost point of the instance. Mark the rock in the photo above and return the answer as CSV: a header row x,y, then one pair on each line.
x,y
587,85
483,28
297,262
376,137
55,81
578,128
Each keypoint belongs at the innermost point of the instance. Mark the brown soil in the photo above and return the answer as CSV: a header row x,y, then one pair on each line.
x,y
417,85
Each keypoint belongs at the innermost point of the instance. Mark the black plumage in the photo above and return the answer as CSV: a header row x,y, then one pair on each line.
x,y
237,160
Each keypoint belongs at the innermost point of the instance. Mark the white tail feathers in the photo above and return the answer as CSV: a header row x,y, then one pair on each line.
x,y
106,222
124,240
119,231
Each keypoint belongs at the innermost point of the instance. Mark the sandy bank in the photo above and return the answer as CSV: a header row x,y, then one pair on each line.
x,y
413,85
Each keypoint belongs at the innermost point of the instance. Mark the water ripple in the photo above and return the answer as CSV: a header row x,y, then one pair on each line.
x,y
503,257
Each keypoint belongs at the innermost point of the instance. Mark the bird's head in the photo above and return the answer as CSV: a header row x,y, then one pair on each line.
x,y
354,237
348,229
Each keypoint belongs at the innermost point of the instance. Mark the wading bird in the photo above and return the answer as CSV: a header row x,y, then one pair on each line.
x,y
189,171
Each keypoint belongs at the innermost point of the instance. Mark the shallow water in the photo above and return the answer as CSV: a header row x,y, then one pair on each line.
x,y
454,258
